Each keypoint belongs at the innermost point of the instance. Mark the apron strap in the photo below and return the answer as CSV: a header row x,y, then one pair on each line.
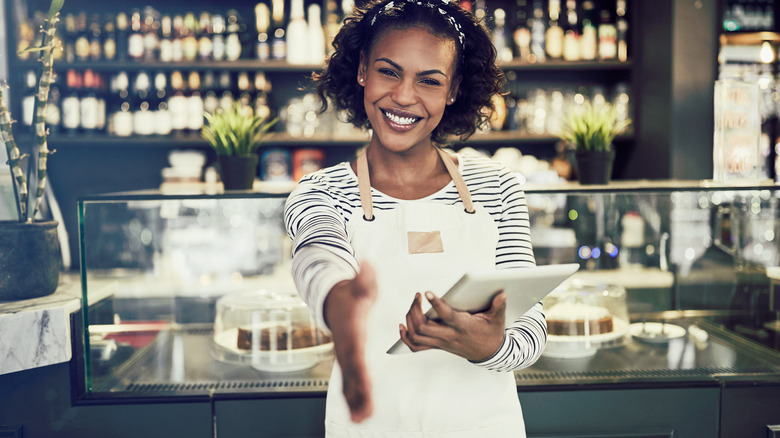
x,y
457,178
364,183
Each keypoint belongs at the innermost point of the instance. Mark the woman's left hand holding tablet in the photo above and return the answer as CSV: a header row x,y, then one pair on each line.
x,y
473,336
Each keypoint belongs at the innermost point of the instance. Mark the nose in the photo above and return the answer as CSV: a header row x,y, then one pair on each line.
x,y
404,93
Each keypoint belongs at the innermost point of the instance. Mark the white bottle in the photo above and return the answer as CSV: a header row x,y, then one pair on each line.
x,y
316,36
297,35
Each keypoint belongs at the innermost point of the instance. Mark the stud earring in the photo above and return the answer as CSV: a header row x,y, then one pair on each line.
x,y
360,80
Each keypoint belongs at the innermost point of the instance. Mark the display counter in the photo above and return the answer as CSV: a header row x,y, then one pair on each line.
x,y
688,335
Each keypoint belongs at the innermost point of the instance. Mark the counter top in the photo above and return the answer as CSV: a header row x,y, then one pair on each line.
x,y
36,332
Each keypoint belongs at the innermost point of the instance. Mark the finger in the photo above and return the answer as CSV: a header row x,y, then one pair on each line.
x,y
445,311
409,343
415,317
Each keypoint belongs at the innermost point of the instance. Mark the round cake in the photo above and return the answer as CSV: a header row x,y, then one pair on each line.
x,y
577,319
279,338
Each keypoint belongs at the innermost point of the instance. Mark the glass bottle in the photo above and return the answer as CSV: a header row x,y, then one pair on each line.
x,y
166,38
575,44
607,36
537,34
28,101
162,117
88,103
143,117
122,112
69,47
194,103
121,36
95,39
522,33
279,45
189,38
233,41
177,45
262,22
82,38
109,40
316,36
218,37
205,43
554,36
151,31
71,106
177,103
622,31
226,91
135,39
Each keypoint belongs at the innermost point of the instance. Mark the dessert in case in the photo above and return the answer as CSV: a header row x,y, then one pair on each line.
x,y
578,319
280,338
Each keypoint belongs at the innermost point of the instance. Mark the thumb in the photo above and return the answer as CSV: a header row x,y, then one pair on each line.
x,y
499,303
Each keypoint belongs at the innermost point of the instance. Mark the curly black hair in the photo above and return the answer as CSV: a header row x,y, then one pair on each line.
x,y
481,78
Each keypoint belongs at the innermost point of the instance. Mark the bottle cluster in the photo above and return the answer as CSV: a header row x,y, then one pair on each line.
x,y
749,15
570,30
142,103
299,35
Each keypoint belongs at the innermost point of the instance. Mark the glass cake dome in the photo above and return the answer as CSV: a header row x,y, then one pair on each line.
x,y
583,317
271,331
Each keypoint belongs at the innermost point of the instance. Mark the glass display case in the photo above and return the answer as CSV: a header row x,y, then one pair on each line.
x,y
192,296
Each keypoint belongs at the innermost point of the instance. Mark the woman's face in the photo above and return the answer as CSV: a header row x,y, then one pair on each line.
x,y
409,80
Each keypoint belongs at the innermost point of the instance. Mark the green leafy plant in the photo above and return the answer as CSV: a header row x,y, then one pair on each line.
x,y
593,128
233,133
27,203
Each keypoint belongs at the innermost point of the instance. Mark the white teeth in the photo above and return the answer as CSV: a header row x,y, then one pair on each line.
x,y
400,120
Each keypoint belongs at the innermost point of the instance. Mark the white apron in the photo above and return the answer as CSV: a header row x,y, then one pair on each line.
x,y
421,246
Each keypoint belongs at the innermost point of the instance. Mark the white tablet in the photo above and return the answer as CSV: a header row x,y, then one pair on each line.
x,y
525,287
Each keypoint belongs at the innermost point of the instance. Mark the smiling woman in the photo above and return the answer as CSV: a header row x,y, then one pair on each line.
x,y
399,68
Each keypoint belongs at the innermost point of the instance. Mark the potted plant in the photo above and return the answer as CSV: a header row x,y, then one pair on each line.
x,y
29,248
589,133
236,136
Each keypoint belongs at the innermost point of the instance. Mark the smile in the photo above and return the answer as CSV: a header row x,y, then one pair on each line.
x,y
400,120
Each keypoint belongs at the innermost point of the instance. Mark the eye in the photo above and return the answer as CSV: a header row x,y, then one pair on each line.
x,y
388,72
430,81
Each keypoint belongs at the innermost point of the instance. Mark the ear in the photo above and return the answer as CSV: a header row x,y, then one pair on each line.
x,y
362,68
453,94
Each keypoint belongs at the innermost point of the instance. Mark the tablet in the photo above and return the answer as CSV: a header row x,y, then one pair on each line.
x,y
525,287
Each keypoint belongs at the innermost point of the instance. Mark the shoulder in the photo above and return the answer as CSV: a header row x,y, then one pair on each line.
x,y
480,170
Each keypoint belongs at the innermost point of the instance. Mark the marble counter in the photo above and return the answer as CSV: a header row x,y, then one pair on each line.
x,y
36,332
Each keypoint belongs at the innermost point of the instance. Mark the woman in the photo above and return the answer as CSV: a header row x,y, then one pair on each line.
x,y
407,218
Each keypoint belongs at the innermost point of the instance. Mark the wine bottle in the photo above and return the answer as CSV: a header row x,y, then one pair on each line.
x,y
297,35
279,45
554,36
100,91
122,111
316,36
226,91
143,118
177,102
162,117
135,39
121,36
332,24
69,48
88,103
537,34
522,33
151,30
189,40
262,22
262,104
218,37
503,50
95,39
607,36
109,39
233,41
194,103
622,31
71,105
205,43
576,45
177,45
82,38
166,38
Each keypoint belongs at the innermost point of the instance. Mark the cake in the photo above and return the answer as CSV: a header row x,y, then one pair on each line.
x,y
280,338
577,319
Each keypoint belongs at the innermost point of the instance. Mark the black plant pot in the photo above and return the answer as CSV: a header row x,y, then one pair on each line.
x,y
238,172
30,259
594,167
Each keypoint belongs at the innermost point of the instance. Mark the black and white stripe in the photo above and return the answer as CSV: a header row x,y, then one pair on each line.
x,y
317,212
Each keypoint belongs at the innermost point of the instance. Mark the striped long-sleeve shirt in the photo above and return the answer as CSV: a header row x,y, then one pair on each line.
x,y
316,216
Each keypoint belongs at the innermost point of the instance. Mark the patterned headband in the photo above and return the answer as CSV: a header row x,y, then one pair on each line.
x,y
428,4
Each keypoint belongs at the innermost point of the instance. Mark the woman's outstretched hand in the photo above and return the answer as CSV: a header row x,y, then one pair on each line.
x,y
346,313
473,336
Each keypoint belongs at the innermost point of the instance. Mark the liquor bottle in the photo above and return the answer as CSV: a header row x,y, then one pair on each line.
x,y
537,34
109,39
82,38
332,25
522,33
88,103
162,117
607,36
245,95
71,105
122,111
135,39
69,49
233,41
100,90
554,36
194,103
503,51
177,103
297,35
151,30
622,31
95,39
189,41
262,23
143,118
218,37
575,44
589,39
262,104
121,36
226,91
316,36
28,101
166,38
205,44
279,44
177,46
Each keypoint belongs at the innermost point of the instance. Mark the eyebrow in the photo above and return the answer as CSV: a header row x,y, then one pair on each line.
x,y
422,73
